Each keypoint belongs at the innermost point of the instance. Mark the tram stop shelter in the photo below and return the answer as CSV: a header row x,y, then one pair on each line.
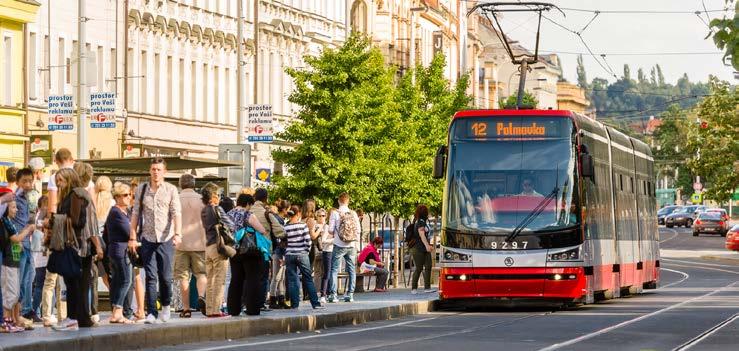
x,y
127,169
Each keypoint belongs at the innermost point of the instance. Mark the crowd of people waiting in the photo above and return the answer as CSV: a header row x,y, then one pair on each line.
x,y
248,258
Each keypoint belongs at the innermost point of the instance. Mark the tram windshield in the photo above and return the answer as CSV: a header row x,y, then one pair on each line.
x,y
511,173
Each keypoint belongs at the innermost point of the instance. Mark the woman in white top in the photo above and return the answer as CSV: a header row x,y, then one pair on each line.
x,y
327,247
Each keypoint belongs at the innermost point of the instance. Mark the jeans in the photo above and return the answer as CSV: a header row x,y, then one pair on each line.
x,y
246,287
422,260
38,288
349,255
158,259
381,276
278,274
326,262
300,264
121,279
26,274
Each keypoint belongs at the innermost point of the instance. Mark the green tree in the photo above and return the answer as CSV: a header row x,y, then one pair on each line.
x,y
627,73
660,76
716,140
341,132
582,78
726,35
427,106
641,78
671,152
510,102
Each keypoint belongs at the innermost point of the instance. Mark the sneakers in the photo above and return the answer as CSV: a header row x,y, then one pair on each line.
x,y
349,298
428,291
165,315
67,324
95,318
27,324
322,300
332,299
219,315
319,307
379,290
33,316
150,319
50,321
414,292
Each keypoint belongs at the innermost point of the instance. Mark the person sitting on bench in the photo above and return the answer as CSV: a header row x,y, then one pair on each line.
x,y
370,261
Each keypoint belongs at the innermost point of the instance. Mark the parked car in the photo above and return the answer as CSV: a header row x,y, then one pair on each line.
x,y
724,214
732,238
698,209
684,216
710,222
664,212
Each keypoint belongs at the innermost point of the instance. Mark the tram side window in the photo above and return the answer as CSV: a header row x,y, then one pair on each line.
x,y
621,182
631,185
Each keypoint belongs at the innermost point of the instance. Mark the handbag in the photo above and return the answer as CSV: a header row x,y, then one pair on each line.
x,y
66,263
226,240
247,246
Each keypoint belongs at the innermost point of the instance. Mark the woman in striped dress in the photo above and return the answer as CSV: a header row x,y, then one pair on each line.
x,y
298,246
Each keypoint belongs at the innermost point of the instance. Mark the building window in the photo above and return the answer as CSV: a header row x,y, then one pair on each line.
x,y
205,92
157,78
33,73
359,16
181,91
61,71
129,82
113,81
46,73
170,93
8,76
227,96
217,95
144,82
193,85
101,69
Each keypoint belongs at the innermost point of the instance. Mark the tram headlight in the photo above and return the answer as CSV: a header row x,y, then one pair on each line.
x,y
453,256
566,255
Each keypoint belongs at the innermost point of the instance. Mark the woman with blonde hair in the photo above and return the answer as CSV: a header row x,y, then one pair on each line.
x,y
103,197
74,202
117,227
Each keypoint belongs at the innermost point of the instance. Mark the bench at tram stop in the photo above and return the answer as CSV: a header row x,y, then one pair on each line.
x,y
343,278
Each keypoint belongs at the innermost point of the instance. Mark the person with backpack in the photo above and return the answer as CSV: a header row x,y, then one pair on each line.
x,y
418,243
275,230
345,228
216,263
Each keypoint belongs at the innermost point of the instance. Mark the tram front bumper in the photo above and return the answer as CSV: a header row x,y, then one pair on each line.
x,y
499,282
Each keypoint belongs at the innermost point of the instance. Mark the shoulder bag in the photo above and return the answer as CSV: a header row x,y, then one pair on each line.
x,y
225,237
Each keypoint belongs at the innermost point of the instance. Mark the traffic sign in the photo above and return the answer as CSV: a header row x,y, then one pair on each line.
x,y
60,112
696,198
264,174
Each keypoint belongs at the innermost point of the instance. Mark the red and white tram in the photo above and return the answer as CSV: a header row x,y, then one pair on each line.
x,y
545,204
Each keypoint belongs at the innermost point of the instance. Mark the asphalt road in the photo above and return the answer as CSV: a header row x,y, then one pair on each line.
x,y
696,307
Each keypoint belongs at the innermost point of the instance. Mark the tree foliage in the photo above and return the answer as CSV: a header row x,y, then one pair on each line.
x,y
511,101
726,34
363,131
672,153
716,140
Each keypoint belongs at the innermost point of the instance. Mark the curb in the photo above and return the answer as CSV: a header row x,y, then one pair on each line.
x,y
725,259
234,328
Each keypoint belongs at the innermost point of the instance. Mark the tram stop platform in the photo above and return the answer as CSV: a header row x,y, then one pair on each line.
x,y
365,308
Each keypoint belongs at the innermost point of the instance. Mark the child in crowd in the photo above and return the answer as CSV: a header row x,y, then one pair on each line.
x,y
40,257
10,242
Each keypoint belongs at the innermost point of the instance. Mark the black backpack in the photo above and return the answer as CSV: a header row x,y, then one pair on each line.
x,y
411,236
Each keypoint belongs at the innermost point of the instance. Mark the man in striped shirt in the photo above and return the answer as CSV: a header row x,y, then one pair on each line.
x,y
296,259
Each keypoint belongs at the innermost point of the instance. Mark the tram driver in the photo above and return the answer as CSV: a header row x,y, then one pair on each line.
x,y
527,188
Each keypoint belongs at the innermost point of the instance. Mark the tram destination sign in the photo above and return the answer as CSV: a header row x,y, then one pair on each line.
x,y
514,127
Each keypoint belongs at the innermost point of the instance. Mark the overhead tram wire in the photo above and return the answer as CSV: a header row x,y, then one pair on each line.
x,y
666,12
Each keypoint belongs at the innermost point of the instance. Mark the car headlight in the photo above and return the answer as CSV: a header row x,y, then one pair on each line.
x,y
567,255
454,256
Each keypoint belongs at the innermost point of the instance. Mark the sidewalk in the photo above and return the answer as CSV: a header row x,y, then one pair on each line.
x,y
366,307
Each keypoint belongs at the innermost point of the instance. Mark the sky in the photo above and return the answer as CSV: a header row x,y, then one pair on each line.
x,y
616,34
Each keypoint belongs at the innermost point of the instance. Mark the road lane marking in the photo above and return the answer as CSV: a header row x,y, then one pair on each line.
x,y
676,233
685,276
701,263
706,334
707,268
631,321
224,347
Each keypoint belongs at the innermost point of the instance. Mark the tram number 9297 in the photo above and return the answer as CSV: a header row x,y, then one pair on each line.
x,y
504,245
